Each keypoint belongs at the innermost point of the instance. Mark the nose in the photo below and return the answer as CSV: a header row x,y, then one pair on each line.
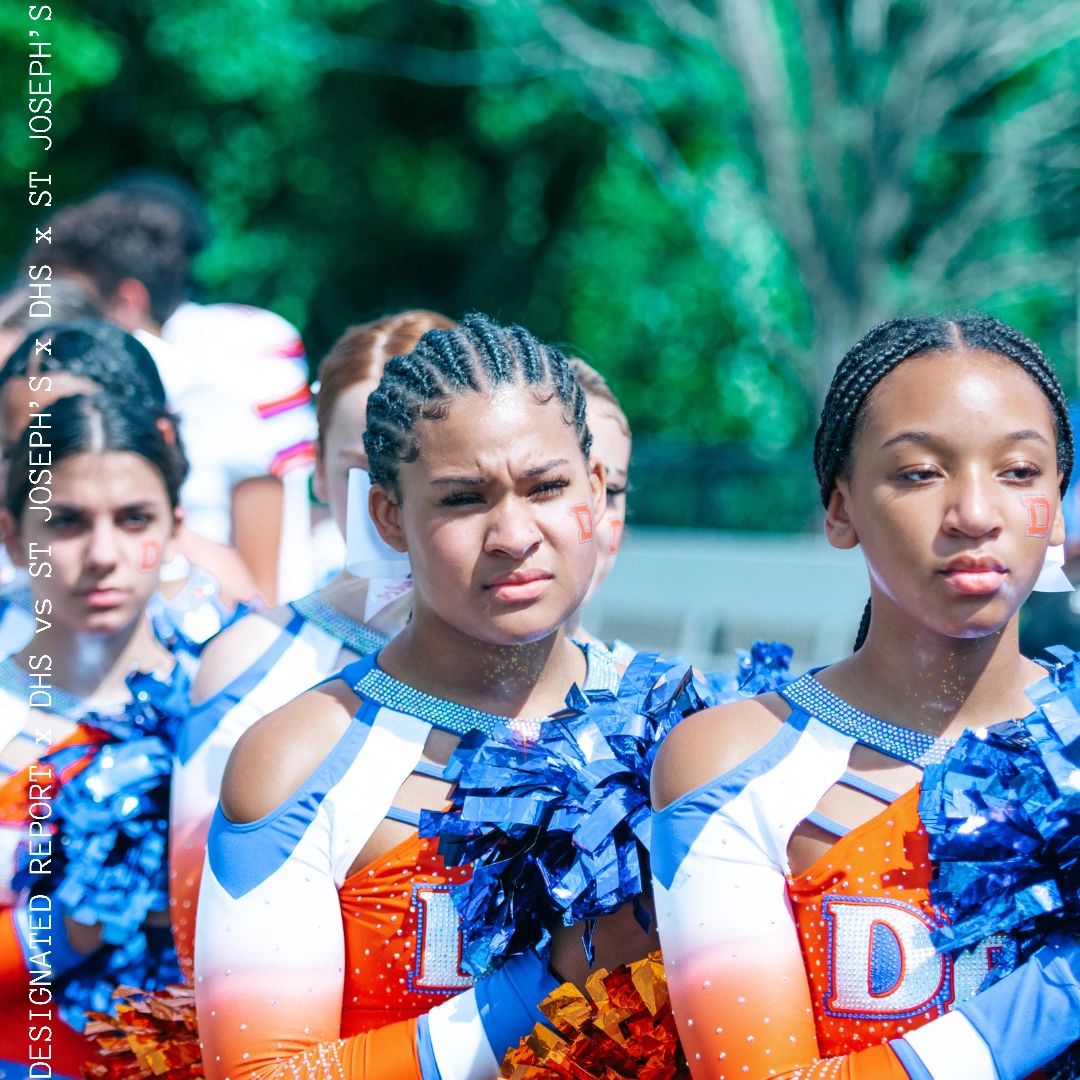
x,y
102,550
974,508
512,530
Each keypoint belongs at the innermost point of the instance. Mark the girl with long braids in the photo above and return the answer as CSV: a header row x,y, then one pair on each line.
x,y
327,943
84,747
265,659
791,865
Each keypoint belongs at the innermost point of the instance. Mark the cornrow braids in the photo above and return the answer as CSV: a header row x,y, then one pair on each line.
x,y
478,354
887,346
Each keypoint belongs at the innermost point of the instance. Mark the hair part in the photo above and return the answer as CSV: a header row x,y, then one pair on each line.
x,y
97,424
97,351
477,355
888,345
362,352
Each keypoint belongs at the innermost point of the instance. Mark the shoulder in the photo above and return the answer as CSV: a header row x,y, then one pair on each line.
x,y
235,649
711,743
274,757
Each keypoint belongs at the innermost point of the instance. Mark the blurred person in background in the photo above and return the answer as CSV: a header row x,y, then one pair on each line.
x,y
235,375
270,657
66,302
611,446
80,726
203,581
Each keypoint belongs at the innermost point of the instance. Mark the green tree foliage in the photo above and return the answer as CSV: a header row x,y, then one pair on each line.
x,y
708,199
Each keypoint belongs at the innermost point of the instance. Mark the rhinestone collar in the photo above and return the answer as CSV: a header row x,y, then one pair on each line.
x,y
376,685
356,636
914,747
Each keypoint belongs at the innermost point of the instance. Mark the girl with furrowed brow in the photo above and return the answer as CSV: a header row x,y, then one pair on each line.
x,y
798,852
327,942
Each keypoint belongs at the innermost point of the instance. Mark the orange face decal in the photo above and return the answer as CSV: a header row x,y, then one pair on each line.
x,y
616,536
583,513
1039,515
149,555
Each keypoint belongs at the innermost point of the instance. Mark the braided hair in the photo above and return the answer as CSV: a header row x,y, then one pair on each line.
x,y
477,355
887,346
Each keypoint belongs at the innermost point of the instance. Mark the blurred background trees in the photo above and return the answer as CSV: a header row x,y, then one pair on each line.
x,y
708,200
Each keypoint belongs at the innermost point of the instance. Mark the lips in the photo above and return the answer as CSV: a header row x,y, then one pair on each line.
x,y
975,575
519,585
99,597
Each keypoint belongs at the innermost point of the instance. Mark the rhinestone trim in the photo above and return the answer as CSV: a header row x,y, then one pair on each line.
x,y
914,747
383,689
358,637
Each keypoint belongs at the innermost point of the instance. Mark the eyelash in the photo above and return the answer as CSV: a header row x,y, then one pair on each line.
x,y
922,475
472,498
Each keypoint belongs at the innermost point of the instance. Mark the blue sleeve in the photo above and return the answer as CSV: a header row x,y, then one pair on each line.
x,y
1032,1015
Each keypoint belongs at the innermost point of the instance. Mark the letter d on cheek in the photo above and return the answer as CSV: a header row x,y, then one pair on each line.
x,y
1039,515
583,514
149,555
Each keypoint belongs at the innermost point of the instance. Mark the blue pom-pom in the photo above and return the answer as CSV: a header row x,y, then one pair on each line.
x,y
557,829
111,819
1002,813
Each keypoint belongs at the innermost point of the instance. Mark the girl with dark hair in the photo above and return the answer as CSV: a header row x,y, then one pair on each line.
x,y
327,942
265,659
791,861
204,580
91,507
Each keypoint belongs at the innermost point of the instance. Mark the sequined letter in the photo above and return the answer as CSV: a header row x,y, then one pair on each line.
x,y
438,949
881,960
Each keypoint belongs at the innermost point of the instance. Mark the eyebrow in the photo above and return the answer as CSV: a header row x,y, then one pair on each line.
x,y
477,481
923,438
76,508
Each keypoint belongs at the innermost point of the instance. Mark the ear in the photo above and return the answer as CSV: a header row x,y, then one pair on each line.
x,y
839,530
385,511
9,533
129,305
1057,530
598,487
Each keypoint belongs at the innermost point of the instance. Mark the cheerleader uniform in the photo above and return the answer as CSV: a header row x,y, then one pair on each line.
x,y
315,641
831,973
341,992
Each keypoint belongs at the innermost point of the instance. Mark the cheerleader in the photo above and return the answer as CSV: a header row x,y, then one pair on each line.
x,y
791,867
327,941
611,446
204,580
266,659
94,548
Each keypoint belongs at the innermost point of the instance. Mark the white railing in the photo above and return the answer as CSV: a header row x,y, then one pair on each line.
x,y
702,595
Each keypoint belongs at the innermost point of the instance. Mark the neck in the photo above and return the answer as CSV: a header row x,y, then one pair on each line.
x,y
928,682
94,667
525,680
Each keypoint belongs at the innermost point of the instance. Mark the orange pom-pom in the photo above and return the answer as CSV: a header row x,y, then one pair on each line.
x,y
621,1028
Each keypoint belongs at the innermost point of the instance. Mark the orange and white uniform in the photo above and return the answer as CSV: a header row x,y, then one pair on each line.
x,y
315,641
304,970
831,975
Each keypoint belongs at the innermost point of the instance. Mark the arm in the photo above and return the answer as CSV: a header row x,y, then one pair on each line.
x,y
256,527
735,967
270,948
